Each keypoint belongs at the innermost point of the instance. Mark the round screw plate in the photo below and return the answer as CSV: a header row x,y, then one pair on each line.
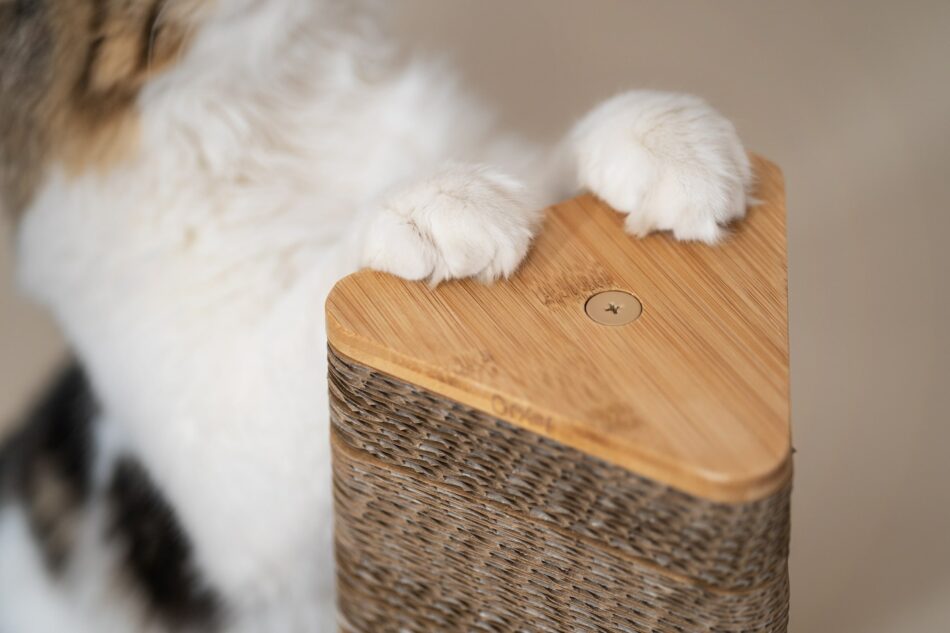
x,y
614,307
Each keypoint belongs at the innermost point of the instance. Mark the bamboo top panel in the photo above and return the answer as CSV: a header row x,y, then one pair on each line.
x,y
693,394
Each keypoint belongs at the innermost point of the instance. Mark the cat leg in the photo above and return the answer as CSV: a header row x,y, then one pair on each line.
x,y
669,161
463,221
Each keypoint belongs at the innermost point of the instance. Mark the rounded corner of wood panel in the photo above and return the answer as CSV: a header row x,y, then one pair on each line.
x,y
337,334
757,486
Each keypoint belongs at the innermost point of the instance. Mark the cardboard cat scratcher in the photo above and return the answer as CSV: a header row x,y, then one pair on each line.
x,y
537,455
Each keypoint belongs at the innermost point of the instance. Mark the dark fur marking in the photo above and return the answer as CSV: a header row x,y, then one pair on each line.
x,y
150,33
97,99
48,463
156,551
26,8
26,60
97,20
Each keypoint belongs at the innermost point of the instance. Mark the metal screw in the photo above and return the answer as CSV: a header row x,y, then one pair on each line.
x,y
614,307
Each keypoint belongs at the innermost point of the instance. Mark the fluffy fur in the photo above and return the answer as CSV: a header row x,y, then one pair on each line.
x,y
277,148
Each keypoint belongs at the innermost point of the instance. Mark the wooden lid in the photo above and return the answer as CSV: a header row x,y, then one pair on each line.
x,y
693,394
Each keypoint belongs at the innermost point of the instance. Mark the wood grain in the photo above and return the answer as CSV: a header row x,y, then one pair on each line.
x,y
694,394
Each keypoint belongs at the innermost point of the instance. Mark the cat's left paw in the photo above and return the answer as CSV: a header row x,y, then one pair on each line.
x,y
669,161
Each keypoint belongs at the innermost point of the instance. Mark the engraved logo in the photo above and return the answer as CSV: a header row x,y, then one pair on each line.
x,y
519,413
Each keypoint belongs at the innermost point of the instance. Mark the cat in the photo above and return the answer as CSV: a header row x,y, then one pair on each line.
x,y
188,178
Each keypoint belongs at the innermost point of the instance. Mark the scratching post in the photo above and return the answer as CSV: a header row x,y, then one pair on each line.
x,y
600,443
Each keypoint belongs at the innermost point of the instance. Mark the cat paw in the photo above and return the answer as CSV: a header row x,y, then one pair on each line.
x,y
669,161
465,221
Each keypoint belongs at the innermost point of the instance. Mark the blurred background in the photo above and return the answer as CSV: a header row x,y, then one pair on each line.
x,y
852,99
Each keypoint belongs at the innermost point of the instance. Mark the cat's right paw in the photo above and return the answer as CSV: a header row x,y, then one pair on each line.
x,y
465,221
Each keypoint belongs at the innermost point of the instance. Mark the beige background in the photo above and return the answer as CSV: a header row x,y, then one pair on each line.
x,y
853,100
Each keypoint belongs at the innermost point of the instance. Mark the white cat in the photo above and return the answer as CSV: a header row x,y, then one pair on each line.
x,y
191,177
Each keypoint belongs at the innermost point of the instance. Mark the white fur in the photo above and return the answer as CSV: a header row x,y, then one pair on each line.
x,y
669,161
29,600
281,153
463,221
